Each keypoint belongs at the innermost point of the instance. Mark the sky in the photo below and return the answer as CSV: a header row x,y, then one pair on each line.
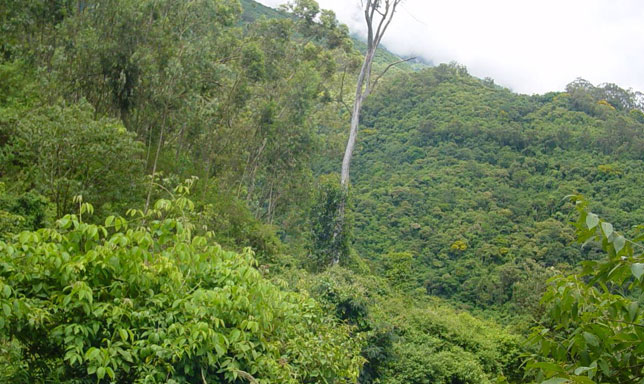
x,y
528,46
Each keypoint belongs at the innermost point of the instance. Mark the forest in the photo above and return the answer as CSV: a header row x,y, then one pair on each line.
x,y
170,183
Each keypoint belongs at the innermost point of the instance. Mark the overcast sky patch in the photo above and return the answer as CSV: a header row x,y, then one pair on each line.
x,y
528,46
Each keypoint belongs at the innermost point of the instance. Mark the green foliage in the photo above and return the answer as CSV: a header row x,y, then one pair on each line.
x,y
63,150
24,26
469,178
440,345
235,227
10,223
416,340
594,329
144,300
306,10
594,99
239,107
330,235
397,267
252,11
349,297
457,193
15,85
29,211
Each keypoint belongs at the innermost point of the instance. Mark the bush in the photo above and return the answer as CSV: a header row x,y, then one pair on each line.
x,y
27,211
145,301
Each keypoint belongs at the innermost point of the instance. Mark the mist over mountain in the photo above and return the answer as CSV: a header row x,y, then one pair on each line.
x,y
531,48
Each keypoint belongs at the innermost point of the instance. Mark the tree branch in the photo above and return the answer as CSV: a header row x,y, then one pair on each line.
x,y
341,96
375,82
391,16
383,21
247,376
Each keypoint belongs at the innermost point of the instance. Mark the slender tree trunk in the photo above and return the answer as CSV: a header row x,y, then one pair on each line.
x,y
180,143
378,15
254,163
361,95
154,167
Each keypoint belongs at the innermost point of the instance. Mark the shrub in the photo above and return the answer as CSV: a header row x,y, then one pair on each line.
x,y
143,300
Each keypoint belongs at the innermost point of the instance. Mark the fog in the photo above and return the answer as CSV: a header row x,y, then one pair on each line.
x,y
528,46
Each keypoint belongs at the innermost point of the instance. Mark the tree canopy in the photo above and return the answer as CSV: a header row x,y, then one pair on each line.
x,y
207,136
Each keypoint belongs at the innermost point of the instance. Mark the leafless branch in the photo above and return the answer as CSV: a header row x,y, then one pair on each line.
x,y
247,376
375,82
341,96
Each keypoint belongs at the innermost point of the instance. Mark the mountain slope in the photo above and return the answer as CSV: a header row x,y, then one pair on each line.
x,y
470,179
253,10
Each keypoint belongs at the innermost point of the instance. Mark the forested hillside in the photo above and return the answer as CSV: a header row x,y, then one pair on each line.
x,y
168,177
470,180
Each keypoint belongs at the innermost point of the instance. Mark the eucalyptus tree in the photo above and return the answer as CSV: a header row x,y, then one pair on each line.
x,y
378,15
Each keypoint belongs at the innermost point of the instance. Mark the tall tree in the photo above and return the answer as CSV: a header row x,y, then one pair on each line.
x,y
378,15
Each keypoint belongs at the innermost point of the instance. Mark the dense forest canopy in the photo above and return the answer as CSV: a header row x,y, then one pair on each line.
x,y
470,178
169,173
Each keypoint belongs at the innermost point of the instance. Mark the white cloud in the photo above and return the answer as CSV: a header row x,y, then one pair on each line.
x,y
530,46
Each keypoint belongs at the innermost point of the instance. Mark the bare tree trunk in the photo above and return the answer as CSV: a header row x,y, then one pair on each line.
x,y
361,95
378,15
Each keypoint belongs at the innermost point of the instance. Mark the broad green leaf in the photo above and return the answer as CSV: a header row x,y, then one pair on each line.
x,y
582,380
546,366
604,367
592,220
64,222
100,373
123,334
591,339
556,380
24,237
619,243
633,308
607,228
638,270
582,370
92,353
